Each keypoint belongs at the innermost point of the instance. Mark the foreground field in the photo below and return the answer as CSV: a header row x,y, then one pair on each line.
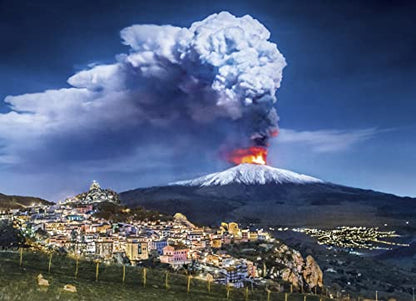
x,y
19,283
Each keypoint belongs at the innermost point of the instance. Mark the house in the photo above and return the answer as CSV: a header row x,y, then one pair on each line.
x,y
213,259
158,245
265,236
5,215
251,269
57,227
136,249
175,255
195,235
245,235
226,239
90,248
83,208
216,243
235,275
96,227
104,248
253,236
75,217
59,240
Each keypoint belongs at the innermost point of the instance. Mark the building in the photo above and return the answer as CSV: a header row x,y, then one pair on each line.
x,y
213,259
216,243
83,208
195,235
104,248
235,275
175,255
102,228
96,194
253,236
158,245
233,229
251,269
56,227
245,235
75,217
136,249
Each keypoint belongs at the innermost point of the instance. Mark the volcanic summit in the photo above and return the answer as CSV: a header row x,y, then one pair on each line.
x,y
250,174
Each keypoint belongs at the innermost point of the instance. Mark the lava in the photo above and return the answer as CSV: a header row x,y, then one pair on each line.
x,y
253,155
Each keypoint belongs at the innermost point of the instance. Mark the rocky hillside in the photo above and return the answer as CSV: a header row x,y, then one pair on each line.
x,y
358,275
278,262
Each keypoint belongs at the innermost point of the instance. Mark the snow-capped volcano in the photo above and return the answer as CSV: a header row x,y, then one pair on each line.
x,y
270,196
250,174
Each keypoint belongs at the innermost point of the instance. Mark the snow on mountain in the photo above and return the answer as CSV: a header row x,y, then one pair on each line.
x,y
250,174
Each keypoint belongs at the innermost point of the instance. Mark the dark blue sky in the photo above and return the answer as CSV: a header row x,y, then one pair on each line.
x,y
346,105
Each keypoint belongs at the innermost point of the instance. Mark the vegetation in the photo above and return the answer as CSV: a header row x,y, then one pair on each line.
x,y
20,283
9,236
117,213
253,250
19,202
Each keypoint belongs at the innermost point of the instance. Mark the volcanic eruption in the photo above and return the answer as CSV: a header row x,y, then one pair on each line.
x,y
253,155
204,88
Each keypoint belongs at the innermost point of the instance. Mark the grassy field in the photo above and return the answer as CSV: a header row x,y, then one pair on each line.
x,y
19,283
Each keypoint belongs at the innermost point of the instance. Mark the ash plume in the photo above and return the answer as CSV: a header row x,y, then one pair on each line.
x,y
212,83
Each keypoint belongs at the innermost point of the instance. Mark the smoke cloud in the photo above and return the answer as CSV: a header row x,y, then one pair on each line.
x,y
209,85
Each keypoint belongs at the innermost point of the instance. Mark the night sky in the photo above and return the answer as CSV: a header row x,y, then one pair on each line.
x,y
346,104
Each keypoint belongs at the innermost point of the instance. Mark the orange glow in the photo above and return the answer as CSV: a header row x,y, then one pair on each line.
x,y
274,133
253,155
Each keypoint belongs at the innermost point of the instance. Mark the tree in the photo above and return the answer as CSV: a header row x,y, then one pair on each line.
x,y
9,236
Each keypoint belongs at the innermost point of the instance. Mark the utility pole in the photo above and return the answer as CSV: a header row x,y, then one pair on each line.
x,y
376,295
413,294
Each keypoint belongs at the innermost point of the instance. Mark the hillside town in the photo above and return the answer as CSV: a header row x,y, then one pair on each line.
x,y
76,227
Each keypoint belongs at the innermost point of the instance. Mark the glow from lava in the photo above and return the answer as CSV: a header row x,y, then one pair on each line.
x,y
252,155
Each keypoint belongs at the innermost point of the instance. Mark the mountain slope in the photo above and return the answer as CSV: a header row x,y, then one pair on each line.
x,y
17,202
270,196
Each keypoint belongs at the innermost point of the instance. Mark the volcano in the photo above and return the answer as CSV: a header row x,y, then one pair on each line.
x,y
261,194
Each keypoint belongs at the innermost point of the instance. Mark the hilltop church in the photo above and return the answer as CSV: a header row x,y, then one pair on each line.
x,y
96,194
